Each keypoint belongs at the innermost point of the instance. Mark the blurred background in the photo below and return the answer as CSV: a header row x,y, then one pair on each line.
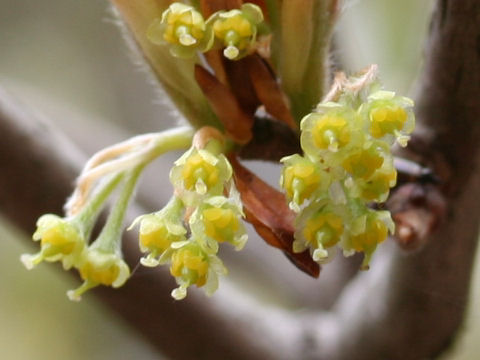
x,y
67,60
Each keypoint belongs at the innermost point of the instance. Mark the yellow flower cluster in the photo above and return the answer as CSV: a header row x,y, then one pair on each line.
x,y
66,240
347,164
204,212
185,30
63,240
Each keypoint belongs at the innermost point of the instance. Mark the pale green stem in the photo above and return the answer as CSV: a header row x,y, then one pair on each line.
x,y
86,218
174,139
110,238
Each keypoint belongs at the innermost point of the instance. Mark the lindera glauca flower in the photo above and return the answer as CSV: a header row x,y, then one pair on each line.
x,y
192,265
97,267
218,220
246,76
159,230
60,239
237,29
183,29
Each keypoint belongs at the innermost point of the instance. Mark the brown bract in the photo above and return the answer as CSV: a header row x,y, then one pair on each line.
x,y
268,90
266,209
237,123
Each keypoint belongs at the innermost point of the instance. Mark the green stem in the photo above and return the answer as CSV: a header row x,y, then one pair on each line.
x,y
174,139
86,218
110,238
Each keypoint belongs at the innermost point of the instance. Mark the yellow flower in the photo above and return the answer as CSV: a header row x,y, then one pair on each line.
x,y
192,265
200,172
100,268
156,235
220,224
378,186
322,231
364,162
386,120
183,28
159,230
367,231
390,117
300,179
218,220
331,132
375,233
198,169
329,129
59,239
237,29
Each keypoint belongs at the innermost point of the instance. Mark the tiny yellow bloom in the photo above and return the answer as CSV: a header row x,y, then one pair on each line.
x,y
190,264
363,163
367,231
390,117
100,268
375,233
237,29
300,179
200,172
159,230
197,169
378,186
59,239
218,220
322,231
331,132
183,28
220,224
386,120
327,130
325,228
156,238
